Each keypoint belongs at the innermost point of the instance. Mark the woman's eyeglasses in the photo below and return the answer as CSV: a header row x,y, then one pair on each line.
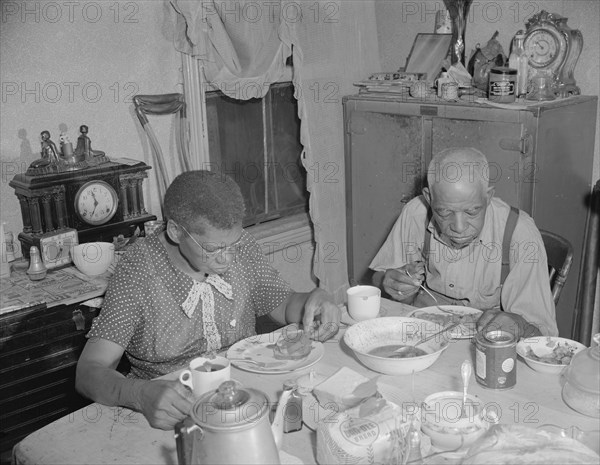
x,y
211,250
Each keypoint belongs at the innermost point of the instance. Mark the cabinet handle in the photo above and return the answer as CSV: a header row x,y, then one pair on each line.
x,y
79,320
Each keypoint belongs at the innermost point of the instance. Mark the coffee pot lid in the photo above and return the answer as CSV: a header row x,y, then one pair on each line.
x,y
230,405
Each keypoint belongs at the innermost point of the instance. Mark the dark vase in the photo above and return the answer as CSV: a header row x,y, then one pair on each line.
x,y
459,12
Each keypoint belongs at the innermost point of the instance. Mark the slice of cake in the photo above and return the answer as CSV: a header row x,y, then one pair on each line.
x,y
292,345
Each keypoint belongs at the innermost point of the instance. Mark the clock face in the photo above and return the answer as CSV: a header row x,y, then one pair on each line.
x,y
55,247
542,48
96,202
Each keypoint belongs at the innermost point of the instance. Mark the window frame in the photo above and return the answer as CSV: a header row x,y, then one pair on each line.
x,y
272,235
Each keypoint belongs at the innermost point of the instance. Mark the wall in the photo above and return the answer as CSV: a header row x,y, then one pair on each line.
x,y
63,64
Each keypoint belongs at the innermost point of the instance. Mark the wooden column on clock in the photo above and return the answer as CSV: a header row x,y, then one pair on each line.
x,y
48,202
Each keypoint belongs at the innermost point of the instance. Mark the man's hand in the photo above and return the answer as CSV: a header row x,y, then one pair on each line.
x,y
404,282
493,320
321,315
164,403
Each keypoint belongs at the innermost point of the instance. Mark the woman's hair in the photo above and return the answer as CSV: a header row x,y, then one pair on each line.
x,y
198,197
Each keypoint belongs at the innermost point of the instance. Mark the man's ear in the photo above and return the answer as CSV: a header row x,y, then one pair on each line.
x,y
427,195
173,231
490,193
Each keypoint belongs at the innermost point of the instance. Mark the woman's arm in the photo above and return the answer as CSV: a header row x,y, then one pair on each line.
x,y
162,402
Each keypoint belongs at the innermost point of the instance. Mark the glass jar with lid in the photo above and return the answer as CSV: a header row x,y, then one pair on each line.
x,y
581,391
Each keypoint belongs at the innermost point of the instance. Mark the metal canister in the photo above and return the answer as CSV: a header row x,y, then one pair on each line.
x,y
496,359
502,85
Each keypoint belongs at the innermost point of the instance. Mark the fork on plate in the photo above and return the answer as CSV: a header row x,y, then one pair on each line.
x,y
257,363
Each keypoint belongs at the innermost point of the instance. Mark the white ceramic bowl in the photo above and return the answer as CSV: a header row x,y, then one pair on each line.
x,y
367,335
93,258
543,346
446,426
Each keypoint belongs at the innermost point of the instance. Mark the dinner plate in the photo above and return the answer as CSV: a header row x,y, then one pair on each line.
x,y
260,349
466,330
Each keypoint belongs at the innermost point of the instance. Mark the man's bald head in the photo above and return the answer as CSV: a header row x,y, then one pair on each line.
x,y
459,166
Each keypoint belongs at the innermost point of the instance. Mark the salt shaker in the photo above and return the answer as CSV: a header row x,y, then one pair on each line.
x,y
292,415
37,269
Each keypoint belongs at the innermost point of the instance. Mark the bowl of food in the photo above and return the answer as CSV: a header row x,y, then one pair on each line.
x,y
93,258
389,344
548,354
449,424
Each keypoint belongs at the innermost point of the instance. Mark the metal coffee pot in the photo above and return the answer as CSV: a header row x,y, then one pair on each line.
x,y
230,425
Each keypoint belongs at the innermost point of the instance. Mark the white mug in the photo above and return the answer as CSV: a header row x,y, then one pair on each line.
x,y
199,380
363,302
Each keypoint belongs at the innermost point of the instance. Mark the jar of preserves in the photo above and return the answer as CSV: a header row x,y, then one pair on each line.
x,y
581,390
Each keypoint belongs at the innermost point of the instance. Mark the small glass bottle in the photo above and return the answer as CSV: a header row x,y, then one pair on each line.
x,y
518,60
292,414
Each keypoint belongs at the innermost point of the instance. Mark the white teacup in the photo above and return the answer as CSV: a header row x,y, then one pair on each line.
x,y
363,302
206,374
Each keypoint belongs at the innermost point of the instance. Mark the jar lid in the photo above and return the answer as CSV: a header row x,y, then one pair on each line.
x,y
230,405
584,370
503,70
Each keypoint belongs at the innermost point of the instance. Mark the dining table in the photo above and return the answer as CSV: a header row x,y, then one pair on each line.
x,y
99,434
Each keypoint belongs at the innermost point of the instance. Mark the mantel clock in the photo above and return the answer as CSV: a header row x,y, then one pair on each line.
x,y
553,49
65,201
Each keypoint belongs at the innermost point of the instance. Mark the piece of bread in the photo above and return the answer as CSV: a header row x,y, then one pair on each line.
x,y
344,389
292,345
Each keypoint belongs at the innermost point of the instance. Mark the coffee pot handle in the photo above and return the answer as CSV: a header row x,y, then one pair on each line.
x,y
184,440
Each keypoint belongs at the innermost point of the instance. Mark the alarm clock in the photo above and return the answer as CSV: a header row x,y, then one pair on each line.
x,y
553,49
55,248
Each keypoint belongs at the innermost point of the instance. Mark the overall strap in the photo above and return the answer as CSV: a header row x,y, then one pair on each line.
x,y
511,222
427,238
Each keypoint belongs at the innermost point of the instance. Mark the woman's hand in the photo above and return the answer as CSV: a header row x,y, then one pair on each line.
x,y
164,403
402,283
321,315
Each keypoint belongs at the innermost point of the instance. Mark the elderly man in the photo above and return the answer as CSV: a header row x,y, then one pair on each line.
x,y
451,240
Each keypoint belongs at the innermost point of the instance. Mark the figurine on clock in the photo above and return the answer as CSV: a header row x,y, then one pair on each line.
x,y
553,49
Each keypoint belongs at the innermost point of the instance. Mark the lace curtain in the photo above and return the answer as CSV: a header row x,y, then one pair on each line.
x,y
243,46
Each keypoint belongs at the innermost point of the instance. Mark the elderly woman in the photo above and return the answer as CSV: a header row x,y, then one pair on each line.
x,y
194,288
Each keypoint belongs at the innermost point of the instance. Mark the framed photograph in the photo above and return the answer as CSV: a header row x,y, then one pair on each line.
x,y
428,53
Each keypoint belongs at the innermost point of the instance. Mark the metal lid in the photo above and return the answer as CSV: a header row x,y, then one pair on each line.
x,y
503,70
500,338
230,406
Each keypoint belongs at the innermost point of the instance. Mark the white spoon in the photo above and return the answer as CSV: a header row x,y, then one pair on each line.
x,y
465,371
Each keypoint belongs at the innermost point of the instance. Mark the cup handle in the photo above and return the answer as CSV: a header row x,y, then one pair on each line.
x,y
185,378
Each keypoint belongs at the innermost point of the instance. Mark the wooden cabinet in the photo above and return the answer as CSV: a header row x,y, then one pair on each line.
x,y
541,160
39,348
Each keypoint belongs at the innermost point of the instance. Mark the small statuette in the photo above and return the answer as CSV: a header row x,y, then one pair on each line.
x,y
37,269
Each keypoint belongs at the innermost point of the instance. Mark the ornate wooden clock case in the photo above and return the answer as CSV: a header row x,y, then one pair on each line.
x,y
85,191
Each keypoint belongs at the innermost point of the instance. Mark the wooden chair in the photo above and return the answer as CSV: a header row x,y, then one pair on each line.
x,y
164,104
560,257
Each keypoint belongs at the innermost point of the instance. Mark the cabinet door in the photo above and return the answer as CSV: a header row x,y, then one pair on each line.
x,y
383,172
503,143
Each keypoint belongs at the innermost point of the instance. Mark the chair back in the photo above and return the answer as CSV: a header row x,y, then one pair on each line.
x,y
164,104
560,257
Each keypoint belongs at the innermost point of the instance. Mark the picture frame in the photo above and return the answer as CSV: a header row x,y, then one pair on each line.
x,y
428,53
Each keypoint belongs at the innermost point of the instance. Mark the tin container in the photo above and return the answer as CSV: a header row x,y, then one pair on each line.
x,y
496,359
449,90
502,85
